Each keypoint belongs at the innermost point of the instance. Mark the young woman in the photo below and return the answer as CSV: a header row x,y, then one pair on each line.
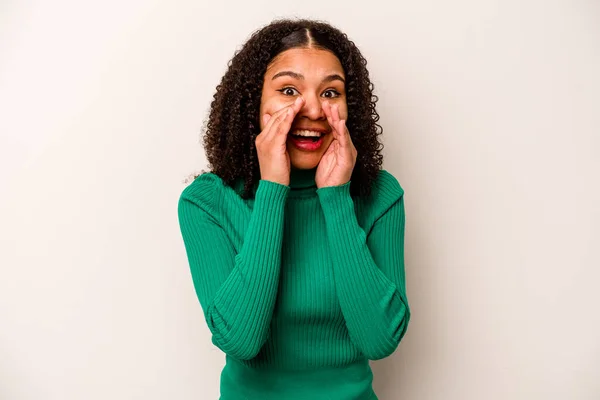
x,y
295,239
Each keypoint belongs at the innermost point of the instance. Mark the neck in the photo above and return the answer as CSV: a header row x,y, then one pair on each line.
x,y
302,178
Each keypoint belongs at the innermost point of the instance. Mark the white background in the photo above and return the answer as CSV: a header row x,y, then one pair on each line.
x,y
491,116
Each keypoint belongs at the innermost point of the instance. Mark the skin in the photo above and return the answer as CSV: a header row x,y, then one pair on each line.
x,y
304,88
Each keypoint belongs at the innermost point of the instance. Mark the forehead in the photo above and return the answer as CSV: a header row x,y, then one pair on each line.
x,y
306,62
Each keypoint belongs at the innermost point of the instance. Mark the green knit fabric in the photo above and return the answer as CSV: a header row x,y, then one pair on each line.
x,y
300,286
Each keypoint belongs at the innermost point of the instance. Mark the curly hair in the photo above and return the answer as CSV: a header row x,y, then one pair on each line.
x,y
233,122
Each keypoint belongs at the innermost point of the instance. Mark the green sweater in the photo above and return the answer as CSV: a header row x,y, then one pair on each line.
x,y
300,286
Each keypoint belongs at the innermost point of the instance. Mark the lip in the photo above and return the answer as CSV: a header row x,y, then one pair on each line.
x,y
306,145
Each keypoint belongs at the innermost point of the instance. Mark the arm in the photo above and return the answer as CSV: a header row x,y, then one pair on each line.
x,y
237,291
368,271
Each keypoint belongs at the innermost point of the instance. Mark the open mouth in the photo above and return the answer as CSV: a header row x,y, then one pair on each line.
x,y
306,140
305,135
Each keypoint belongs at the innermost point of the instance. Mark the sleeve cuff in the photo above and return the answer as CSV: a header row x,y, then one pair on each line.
x,y
272,191
336,201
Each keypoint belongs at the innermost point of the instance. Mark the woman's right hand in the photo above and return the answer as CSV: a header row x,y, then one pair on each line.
x,y
273,157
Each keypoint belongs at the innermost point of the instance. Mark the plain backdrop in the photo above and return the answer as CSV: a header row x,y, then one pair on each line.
x,y
491,116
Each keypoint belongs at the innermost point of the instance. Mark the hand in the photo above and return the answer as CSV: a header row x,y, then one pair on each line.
x,y
273,157
336,165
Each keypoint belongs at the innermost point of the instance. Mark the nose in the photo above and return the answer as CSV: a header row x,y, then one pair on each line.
x,y
312,108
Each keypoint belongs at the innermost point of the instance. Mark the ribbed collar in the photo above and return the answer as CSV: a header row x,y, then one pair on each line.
x,y
302,183
303,178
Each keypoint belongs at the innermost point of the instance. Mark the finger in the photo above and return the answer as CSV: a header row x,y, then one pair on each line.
x,y
298,104
279,116
335,114
272,119
283,127
269,132
340,123
344,132
343,135
334,121
266,119
327,110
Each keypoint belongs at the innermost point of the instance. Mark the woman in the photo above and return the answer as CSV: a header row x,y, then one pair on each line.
x,y
295,238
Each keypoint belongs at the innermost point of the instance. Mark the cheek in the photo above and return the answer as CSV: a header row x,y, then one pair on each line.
x,y
270,106
326,143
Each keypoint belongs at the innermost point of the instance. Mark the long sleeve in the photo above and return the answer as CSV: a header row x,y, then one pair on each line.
x,y
369,269
236,291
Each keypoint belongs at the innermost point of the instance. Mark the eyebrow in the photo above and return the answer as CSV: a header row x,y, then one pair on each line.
x,y
288,73
328,78
334,77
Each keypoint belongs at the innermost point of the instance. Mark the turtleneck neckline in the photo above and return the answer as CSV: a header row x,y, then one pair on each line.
x,y
303,178
302,183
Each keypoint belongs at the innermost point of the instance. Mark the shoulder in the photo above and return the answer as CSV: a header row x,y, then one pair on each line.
x,y
202,191
385,192
386,186
212,194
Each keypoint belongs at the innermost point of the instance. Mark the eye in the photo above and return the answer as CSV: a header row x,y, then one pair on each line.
x,y
289,91
331,93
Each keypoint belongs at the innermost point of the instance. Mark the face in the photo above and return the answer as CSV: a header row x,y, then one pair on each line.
x,y
316,75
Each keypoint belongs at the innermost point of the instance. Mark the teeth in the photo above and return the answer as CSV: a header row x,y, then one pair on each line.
x,y
307,133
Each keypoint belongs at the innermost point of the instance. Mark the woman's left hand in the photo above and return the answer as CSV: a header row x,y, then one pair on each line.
x,y
335,168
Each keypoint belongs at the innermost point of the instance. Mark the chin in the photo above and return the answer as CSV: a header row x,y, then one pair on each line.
x,y
302,161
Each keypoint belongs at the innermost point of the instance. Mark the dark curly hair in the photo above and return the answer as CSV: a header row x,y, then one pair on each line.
x,y
233,123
